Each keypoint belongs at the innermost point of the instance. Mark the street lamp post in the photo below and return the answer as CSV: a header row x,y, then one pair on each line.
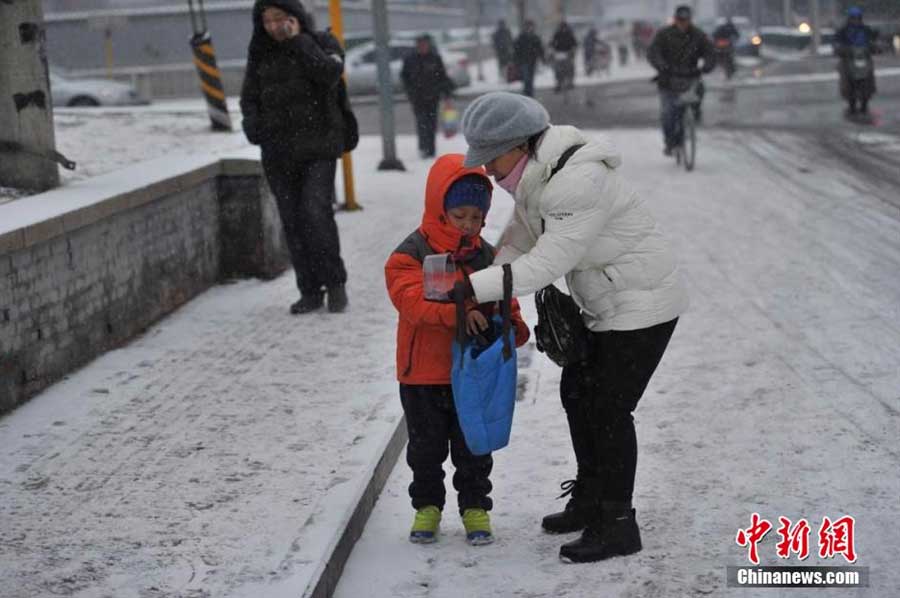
x,y
385,88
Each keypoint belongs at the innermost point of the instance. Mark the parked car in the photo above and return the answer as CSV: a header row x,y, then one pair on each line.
x,y
795,40
68,91
362,72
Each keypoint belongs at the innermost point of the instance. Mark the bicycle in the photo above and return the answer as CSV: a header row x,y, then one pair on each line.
x,y
688,103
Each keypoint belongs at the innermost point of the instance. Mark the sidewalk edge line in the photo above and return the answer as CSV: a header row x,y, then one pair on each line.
x,y
326,578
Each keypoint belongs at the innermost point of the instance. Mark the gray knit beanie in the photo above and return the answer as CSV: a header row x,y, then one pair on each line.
x,y
497,122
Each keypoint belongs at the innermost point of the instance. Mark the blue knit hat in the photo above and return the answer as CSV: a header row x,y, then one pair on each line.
x,y
470,190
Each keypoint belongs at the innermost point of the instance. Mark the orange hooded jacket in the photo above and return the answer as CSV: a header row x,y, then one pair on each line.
x,y
426,330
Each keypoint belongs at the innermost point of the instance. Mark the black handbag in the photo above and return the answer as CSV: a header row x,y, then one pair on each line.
x,y
560,332
351,125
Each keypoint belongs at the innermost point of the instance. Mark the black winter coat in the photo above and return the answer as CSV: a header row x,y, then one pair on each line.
x,y
675,55
290,98
564,41
528,48
503,44
425,79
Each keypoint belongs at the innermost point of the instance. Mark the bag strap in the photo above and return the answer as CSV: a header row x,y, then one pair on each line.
x,y
559,166
506,310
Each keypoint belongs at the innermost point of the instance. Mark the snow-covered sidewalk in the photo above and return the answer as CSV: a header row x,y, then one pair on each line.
x,y
778,395
220,451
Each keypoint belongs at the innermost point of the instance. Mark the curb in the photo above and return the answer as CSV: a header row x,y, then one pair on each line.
x,y
331,567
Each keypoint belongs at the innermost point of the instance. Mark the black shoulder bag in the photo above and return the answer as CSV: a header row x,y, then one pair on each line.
x,y
560,332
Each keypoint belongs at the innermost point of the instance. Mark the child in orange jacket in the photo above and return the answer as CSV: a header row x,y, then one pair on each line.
x,y
457,200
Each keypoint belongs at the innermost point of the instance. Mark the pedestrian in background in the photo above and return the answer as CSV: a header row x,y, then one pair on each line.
x,y
528,50
426,81
503,47
291,103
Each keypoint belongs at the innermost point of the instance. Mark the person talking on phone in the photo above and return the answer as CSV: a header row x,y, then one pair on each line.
x,y
291,103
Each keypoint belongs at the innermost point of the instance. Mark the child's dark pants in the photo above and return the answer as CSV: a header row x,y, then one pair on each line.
x,y
433,432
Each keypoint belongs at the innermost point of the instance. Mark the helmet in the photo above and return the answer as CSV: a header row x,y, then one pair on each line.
x,y
854,11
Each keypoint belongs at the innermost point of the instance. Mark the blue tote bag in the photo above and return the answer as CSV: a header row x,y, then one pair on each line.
x,y
484,377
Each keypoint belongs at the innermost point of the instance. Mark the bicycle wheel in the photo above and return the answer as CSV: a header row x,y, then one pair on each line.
x,y
689,144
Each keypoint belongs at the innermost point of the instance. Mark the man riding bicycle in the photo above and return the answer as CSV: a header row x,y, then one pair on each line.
x,y
675,53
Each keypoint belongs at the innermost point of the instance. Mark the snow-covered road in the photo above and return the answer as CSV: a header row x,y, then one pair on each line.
x,y
201,459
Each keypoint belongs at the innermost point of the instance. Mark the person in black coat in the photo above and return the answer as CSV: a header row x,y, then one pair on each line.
x,y
426,81
563,45
856,40
675,53
527,51
503,46
291,106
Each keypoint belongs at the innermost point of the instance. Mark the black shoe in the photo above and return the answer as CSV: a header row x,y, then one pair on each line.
x,y
337,299
615,534
308,303
668,151
579,508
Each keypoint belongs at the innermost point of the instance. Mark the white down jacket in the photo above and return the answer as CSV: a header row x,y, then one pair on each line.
x,y
619,267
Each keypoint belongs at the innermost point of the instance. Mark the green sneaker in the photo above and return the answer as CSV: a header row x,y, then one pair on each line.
x,y
425,525
478,527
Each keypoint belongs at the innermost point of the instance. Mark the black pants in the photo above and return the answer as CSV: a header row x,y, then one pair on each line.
x,y
599,396
426,114
433,432
304,192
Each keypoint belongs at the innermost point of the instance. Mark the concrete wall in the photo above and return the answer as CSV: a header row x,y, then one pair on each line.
x,y
83,279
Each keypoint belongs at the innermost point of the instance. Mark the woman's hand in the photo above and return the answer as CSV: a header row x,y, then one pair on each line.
x,y
291,27
475,322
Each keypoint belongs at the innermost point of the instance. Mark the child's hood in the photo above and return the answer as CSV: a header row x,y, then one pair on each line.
x,y
445,171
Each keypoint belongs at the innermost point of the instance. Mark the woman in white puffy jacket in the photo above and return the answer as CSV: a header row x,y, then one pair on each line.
x,y
581,221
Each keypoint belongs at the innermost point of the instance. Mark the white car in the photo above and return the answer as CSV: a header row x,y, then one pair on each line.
x,y
92,92
362,72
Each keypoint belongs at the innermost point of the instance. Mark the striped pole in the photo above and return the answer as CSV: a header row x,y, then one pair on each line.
x,y
337,28
210,81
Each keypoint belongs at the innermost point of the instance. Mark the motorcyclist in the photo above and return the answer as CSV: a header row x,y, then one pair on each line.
x,y
854,44
675,53
563,45
724,38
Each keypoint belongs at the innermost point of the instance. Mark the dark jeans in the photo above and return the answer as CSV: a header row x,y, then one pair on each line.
x,y
304,192
599,396
670,113
433,432
426,114
527,72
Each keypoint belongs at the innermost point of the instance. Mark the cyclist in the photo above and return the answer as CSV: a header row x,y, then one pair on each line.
x,y
675,53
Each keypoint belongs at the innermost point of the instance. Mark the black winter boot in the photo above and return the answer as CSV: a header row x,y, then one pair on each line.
x,y
308,302
584,503
615,533
337,299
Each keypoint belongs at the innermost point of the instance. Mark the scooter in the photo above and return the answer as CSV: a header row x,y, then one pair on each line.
x,y
860,72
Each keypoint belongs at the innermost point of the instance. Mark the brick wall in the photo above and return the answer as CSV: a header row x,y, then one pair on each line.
x,y
66,298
